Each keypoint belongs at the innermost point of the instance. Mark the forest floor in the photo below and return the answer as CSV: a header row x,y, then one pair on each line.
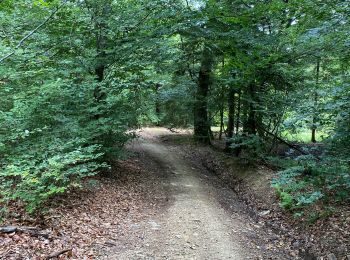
x,y
166,201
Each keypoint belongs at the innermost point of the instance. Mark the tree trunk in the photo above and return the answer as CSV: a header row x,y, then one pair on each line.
x,y
157,103
221,121
211,134
238,113
201,123
99,67
231,113
251,124
313,132
314,118
222,105
101,13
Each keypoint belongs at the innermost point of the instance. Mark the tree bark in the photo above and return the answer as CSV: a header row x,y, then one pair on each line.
x,y
221,121
238,113
201,123
157,103
231,113
101,44
251,124
222,105
314,118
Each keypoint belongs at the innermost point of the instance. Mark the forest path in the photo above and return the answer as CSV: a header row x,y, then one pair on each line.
x,y
199,217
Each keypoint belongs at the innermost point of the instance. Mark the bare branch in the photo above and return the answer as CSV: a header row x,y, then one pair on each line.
x,y
57,254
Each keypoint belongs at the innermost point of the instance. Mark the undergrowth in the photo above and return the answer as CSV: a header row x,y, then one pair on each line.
x,y
308,187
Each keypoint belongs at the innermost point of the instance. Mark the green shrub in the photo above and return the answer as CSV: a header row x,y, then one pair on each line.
x,y
35,181
54,139
311,181
251,144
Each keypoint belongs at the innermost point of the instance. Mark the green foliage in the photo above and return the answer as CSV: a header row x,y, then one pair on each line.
x,y
176,104
34,182
52,141
251,144
339,108
58,123
312,182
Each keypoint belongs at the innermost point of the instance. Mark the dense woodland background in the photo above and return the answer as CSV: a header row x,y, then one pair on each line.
x,y
270,77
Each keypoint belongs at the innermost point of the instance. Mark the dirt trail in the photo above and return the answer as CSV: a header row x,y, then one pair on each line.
x,y
200,218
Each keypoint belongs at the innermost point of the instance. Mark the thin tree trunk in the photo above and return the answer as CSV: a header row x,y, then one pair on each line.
x,y
221,121
222,105
238,113
100,27
100,66
101,45
314,118
210,120
157,103
231,113
251,124
201,122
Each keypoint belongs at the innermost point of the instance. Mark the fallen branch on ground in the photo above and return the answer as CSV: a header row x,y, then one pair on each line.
x,y
33,231
56,254
289,144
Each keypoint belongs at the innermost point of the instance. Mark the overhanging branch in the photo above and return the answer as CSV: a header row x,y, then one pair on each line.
x,y
20,43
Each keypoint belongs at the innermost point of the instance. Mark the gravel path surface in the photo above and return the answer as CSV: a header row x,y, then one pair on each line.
x,y
197,216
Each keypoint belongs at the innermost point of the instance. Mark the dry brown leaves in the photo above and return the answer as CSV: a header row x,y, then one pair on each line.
x,y
82,221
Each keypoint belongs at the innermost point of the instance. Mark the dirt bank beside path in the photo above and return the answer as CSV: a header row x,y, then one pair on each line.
x,y
198,217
